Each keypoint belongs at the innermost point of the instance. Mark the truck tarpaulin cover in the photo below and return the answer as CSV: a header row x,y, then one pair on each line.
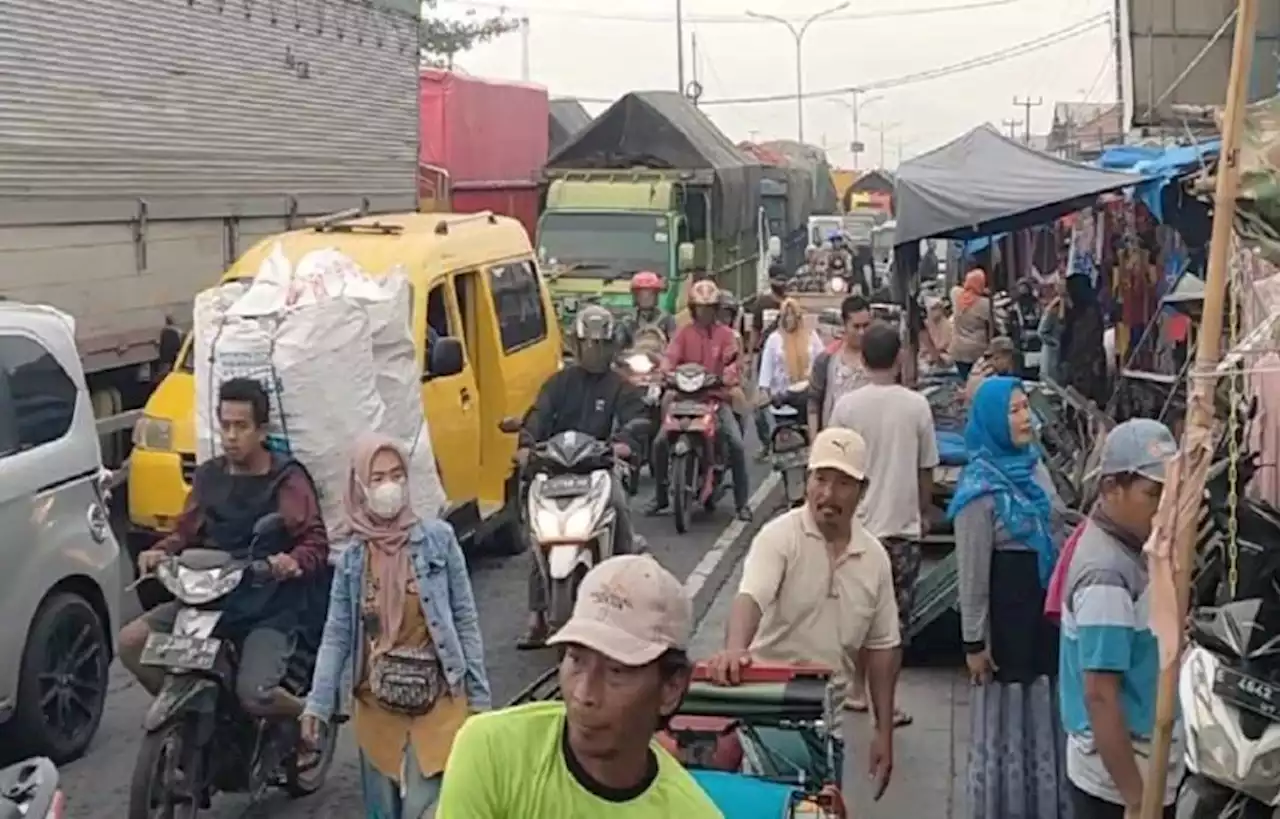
x,y
984,183
568,117
814,160
480,130
662,129
799,180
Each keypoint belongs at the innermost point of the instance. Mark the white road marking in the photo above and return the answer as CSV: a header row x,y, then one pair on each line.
x,y
720,549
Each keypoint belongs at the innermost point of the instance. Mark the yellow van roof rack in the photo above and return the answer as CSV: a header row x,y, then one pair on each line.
x,y
341,222
442,227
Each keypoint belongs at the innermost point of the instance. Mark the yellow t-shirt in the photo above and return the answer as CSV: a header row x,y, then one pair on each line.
x,y
509,764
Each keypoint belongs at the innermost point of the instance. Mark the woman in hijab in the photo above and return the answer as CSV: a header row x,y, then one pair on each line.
x,y
1082,361
973,322
1003,512
402,619
789,351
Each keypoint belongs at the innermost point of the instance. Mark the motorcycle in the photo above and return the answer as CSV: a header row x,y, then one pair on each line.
x,y
570,514
697,467
29,790
198,740
790,440
1229,694
640,368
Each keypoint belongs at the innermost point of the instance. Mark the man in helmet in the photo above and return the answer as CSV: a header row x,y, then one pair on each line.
x,y
586,396
646,316
707,342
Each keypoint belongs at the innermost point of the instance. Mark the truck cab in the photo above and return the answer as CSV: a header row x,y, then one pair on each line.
x,y
599,228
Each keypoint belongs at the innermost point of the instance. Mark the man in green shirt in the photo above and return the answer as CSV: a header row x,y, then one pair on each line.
x,y
624,671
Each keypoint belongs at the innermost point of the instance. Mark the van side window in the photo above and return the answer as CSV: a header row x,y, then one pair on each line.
x,y
517,299
41,395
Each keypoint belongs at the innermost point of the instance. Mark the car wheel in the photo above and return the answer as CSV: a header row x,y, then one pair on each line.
x,y
62,686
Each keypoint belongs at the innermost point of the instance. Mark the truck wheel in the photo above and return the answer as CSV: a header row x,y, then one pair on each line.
x,y
62,686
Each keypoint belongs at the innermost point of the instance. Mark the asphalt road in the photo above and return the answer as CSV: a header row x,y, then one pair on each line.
x,y
97,785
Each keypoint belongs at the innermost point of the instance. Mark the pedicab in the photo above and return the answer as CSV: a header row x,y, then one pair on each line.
x,y
760,750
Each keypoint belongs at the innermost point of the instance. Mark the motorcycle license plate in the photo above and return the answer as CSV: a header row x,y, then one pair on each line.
x,y
566,486
689,409
1249,693
187,653
791,460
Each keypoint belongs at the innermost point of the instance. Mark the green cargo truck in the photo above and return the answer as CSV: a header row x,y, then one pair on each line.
x,y
650,184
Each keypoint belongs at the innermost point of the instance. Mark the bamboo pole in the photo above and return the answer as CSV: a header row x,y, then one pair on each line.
x,y
1200,406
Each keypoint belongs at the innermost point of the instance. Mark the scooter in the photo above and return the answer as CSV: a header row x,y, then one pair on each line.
x,y
198,740
790,441
571,518
640,368
1229,686
29,790
697,468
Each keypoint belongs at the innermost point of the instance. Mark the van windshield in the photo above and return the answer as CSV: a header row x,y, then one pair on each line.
x,y
605,245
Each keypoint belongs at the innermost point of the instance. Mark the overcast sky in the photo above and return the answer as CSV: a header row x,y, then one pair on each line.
x,y
576,49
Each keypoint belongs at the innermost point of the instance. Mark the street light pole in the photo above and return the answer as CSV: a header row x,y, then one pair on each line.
x,y
855,108
798,35
680,46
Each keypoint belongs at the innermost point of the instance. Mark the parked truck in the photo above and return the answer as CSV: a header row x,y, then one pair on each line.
x,y
489,138
650,184
144,144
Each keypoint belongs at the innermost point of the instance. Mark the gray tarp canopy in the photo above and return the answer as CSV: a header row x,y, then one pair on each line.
x,y
565,118
985,183
662,129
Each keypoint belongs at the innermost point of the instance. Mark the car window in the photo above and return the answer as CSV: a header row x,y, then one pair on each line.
x,y
41,395
517,300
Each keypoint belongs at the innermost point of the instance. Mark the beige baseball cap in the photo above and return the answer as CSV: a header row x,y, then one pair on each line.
x,y
631,610
841,449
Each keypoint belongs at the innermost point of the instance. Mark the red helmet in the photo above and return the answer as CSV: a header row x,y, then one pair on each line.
x,y
646,280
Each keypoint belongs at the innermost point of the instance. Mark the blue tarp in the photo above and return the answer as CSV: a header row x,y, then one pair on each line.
x,y
1159,165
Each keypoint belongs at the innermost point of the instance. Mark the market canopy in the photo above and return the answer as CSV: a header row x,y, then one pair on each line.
x,y
985,183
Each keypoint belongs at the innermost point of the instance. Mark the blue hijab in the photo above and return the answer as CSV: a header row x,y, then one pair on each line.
x,y
1006,472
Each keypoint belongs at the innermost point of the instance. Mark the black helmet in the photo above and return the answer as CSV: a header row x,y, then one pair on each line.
x,y
593,323
777,272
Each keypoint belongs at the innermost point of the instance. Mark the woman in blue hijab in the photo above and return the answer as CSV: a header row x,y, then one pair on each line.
x,y
1003,516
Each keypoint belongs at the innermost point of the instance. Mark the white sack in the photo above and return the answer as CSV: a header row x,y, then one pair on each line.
x,y
335,351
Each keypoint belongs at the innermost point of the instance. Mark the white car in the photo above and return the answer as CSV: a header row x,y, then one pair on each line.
x,y
60,579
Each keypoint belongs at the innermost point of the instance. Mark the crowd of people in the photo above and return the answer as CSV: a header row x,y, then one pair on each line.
x,y
1055,620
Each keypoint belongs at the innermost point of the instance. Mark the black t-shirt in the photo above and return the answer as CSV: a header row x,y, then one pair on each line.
x,y
763,307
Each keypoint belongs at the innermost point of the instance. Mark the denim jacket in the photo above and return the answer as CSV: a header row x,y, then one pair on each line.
x,y
447,602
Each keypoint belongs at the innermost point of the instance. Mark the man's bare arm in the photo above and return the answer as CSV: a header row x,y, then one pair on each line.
x,y
744,622
882,678
1111,734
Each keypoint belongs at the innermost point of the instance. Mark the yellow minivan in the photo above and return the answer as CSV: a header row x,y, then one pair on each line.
x,y
479,298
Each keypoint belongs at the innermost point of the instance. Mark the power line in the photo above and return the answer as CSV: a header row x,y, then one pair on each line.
x,y
991,58
1102,70
715,19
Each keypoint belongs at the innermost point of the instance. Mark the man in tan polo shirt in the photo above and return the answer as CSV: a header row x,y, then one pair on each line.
x,y
817,588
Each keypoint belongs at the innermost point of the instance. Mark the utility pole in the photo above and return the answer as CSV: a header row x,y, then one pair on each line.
x,y
1118,45
525,73
884,128
1027,105
855,106
1012,125
693,64
1177,516
680,46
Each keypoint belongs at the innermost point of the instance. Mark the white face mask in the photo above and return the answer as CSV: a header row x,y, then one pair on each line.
x,y
385,498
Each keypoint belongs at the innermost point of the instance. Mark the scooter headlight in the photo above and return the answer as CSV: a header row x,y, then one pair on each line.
x,y
198,586
690,382
572,520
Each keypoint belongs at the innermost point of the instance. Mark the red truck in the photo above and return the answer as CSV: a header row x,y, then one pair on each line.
x,y
489,137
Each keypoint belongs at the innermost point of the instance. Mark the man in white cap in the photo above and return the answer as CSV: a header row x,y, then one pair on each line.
x,y
818,588
624,672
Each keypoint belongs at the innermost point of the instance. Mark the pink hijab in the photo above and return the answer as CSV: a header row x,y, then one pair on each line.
x,y
386,540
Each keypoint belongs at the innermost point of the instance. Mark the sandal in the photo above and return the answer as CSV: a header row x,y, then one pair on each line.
x,y
533,640
901,719
856,706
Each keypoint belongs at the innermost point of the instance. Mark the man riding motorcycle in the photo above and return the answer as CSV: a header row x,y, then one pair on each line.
x,y
229,494
647,317
707,342
587,396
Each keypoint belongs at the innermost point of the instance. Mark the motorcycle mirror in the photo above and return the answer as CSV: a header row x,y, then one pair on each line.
x,y
268,524
509,426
